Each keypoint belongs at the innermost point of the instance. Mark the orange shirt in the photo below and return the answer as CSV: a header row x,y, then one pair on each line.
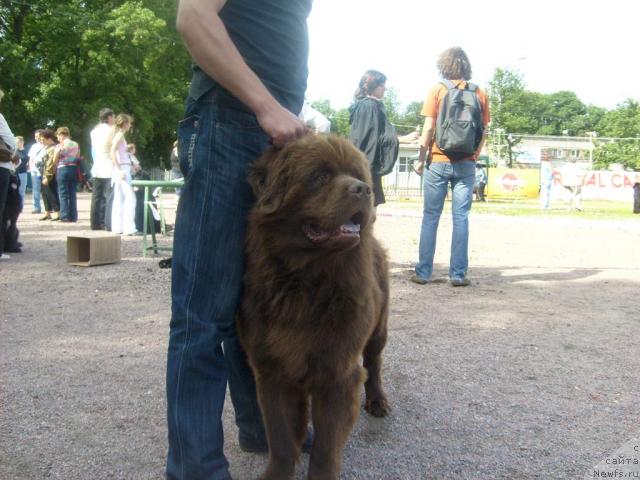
x,y
431,108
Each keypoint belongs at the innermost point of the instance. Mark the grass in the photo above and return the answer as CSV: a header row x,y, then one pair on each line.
x,y
592,209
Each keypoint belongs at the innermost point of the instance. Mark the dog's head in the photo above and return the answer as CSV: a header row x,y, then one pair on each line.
x,y
315,193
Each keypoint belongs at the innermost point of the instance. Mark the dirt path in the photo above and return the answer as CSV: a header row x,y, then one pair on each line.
x,y
532,372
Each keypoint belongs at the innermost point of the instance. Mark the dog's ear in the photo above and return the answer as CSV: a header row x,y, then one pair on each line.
x,y
268,180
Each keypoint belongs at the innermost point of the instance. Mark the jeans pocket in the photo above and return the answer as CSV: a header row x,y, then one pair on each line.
x,y
188,130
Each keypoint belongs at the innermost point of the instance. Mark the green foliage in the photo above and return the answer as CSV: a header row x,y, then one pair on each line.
x,y
624,121
624,152
339,119
517,110
64,60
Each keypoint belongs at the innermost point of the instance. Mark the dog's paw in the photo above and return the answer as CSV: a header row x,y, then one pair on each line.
x,y
378,407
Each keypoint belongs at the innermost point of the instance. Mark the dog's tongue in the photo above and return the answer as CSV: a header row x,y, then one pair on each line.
x,y
350,228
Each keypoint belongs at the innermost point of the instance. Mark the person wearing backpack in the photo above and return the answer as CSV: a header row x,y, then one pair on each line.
x,y
456,116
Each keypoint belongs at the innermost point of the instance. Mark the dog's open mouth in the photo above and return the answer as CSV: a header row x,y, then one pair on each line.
x,y
348,230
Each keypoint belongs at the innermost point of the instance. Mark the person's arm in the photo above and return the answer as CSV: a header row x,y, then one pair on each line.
x,y
56,156
409,137
486,119
482,140
425,144
117,138
212,49
6,134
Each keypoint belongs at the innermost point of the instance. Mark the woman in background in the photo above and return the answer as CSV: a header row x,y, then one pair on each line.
x,y
371,131
124,200
66,156
49,180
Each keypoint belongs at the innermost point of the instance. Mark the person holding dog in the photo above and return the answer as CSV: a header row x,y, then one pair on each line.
x,y
247,91
7,166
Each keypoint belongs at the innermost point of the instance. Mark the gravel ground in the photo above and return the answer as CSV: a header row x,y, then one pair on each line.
x,y
532,372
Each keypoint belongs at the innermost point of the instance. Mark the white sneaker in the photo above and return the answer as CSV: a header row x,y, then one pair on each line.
x,y
4,256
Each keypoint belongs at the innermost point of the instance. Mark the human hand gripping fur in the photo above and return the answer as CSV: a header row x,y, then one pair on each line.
x,y
281,125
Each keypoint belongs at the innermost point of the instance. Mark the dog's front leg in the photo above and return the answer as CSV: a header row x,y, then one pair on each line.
x,y
334,410
285,418
376,401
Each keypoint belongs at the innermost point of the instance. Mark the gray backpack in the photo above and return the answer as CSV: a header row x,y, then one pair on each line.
x,y
459,127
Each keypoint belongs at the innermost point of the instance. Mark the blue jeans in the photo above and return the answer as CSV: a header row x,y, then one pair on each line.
x,y
67,191
545,194
436,182
23,186
216,144
36,186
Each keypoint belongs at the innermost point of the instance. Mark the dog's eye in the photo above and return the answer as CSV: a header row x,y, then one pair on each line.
x,y
323,177
317,180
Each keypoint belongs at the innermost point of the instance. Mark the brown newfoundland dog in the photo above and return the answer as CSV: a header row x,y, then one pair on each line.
x,y
315,300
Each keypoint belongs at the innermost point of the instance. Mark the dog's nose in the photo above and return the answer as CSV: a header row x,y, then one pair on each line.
x,y
360,189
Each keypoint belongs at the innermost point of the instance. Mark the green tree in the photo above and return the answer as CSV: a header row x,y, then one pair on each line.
x,y
69,58
339,119
623,122
411,118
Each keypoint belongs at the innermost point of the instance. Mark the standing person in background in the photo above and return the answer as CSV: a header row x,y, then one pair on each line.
x,y
135,163
101,171
572,178
6,167
66,159
246,93
124,200
480,182
455,167
49,182
23,168
36,152
546,181
371,131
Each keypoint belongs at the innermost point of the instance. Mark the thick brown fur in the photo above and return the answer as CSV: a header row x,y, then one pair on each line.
x,y
313,306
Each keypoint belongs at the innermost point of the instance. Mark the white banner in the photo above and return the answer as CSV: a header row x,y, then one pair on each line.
x,y
600,185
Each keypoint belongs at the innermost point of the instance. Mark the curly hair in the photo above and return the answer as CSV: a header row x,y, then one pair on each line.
x,y
454,64
369,82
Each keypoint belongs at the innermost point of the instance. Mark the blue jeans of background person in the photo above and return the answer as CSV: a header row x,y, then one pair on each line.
x,y
67,192
36,186
545,195
216,145
436,182
23,186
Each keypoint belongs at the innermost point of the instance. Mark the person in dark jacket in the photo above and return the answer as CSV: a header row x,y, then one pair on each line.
x,y
22,169
13,207
371,131
636,195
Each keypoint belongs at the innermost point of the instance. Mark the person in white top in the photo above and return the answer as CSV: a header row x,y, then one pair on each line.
x,y
313,119
572,178
6,167
124,200
35,154
101,171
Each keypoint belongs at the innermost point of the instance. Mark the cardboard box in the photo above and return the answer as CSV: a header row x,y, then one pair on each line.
x,y
90,250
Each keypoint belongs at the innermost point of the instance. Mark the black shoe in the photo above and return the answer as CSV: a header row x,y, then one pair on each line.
x,y
262,447
13,249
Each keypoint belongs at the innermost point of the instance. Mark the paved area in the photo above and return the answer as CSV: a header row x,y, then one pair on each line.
x,y
531,372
